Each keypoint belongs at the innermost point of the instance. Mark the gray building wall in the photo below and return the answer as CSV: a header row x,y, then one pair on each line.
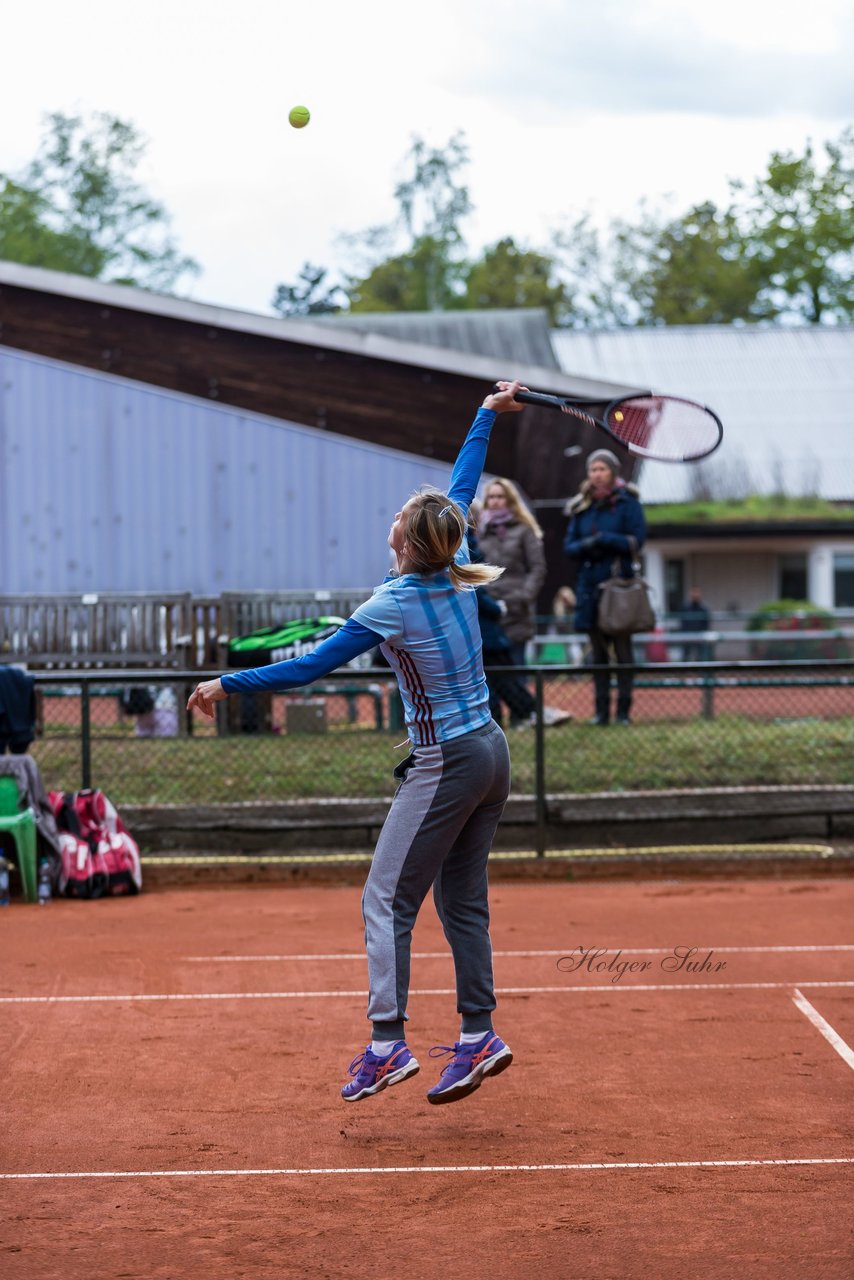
x,y
111,485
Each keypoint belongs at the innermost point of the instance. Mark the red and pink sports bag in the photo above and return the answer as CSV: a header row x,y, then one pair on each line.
x,y
99,855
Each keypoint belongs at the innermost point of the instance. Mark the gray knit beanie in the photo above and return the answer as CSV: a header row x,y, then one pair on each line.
x,y
612,462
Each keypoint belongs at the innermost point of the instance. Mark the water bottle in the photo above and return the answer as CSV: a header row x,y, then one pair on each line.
x,y
45,887
4,883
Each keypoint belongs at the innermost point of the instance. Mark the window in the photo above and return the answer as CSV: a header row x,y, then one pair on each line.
x,y
792,577
843,580
674,585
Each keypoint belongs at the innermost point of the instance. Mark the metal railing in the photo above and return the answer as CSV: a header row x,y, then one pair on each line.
x,y
694,726
712,645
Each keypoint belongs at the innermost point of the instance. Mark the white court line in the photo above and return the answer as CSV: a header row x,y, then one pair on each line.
x,y
446,955
423,991
437,1168
832,1037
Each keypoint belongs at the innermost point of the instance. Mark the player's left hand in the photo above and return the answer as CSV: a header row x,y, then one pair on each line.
x,y
502,400
205,695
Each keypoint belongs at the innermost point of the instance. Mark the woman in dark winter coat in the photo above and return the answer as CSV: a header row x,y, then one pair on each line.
x,y
510,537
606,523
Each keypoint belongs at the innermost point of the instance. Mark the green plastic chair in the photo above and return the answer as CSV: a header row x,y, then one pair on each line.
x,y
21,825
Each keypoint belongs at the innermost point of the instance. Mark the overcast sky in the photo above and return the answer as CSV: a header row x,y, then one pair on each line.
x,y
567,106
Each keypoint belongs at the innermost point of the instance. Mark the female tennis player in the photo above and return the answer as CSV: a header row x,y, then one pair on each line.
x,y
453,784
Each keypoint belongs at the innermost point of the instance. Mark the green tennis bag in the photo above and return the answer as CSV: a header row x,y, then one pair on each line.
x,y
285,640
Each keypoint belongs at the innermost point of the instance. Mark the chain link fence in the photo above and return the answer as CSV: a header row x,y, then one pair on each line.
x,y
744,724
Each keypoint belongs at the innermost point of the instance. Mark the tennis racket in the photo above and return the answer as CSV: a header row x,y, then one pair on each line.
x,y
664,428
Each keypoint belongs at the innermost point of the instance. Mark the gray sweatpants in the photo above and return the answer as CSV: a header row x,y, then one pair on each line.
x,y
438,831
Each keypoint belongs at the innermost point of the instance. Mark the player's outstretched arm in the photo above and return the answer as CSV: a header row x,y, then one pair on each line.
x,y
469,464
352,640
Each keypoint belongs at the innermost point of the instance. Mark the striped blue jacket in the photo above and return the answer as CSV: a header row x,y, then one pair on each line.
x,y
427,631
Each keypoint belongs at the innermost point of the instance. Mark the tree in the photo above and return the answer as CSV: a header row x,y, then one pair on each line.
x,y
78,207
584,259
26,237
310,296
426,273
798,224
421,279
414,263
782,250
693,269
507,276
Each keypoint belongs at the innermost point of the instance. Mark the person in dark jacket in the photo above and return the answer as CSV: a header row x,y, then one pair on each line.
x,y
606,525
694,616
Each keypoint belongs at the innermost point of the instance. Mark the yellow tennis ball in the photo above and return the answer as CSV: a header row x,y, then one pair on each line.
x,y
299,117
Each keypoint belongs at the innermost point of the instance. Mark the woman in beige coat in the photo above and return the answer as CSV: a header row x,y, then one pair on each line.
x,y
510,537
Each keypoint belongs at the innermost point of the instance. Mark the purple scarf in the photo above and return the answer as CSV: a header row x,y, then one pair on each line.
x,y
496,521
607,495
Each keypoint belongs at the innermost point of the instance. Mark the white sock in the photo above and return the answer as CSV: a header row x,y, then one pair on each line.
x,y
382,1048
471,1037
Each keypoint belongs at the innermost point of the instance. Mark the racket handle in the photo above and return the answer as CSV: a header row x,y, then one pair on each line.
x,y
536,397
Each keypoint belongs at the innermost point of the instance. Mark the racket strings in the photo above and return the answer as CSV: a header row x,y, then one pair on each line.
x,y
664,427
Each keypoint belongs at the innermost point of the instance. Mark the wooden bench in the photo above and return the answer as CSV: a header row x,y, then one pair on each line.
x,y
98,630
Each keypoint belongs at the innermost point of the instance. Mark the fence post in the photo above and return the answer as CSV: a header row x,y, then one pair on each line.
x,y
182,692
86,734
540,767
708,711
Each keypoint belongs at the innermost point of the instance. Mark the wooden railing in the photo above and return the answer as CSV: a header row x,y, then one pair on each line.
x,y
94,630
160,632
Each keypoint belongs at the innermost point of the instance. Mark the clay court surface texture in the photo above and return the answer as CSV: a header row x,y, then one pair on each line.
x,y
172,1067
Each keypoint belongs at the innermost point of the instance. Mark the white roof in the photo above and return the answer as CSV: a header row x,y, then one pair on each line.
x,y
785,396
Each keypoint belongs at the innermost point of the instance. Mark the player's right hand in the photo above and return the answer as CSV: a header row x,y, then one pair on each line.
x,y
205,695
502,400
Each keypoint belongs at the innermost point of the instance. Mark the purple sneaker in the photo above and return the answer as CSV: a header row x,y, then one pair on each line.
x,y
470,1063
372,1074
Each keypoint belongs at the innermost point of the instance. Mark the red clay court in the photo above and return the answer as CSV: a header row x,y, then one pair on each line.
x,y
173,1064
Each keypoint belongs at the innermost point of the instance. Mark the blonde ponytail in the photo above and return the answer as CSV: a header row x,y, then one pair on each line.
x,y
473,575
435,529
